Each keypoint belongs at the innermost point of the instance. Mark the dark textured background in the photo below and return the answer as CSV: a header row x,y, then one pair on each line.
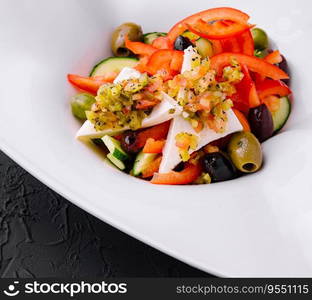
x,y
44,235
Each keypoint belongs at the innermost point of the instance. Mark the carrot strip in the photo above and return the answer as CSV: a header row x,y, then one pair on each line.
x,y
242,119
153,146
188,175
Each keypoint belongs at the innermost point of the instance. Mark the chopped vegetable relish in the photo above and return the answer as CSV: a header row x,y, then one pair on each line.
x,y
204,99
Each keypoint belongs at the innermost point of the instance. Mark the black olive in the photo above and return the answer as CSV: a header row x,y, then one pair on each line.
x,y
261,122
182,43
179,167
284,66
219,167
129,142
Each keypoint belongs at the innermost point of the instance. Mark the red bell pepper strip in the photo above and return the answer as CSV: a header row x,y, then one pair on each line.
x,y
239,104
188,175
153,146
139,48
218,30
162,42
218,62
152,168
231,45
158,132
246,89
209,15
217,47
247,43
89,84
272,87
242,43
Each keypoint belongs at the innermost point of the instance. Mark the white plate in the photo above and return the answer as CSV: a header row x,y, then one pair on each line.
x,y
259,225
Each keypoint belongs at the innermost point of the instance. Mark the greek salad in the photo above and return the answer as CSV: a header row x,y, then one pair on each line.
x,y
188,106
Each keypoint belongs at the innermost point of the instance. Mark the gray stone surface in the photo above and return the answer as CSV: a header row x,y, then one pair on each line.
x,y
44,235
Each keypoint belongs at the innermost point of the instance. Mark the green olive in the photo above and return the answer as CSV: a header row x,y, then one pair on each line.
x,y
80,103
134,33
204,47
260,38
245,152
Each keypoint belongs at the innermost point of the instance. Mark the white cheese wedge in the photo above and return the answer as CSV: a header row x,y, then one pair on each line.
x,y
162,112
127,73
171,156
87,132
189,54
167,109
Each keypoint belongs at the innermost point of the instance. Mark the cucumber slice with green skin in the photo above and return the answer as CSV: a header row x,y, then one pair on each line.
x,y
113,64
204,47
141,162
118,163
148,38
190,35
281,116
114,148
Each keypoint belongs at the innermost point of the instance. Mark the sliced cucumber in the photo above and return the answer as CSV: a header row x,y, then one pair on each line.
x,y
190,35
281,116
114,148
148,38
98,142
204,47
118,163
141,162
113,64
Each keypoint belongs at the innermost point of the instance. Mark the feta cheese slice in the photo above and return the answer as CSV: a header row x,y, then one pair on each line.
x,y
127,73
87,132
164,111
171,157
189,54
167,109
